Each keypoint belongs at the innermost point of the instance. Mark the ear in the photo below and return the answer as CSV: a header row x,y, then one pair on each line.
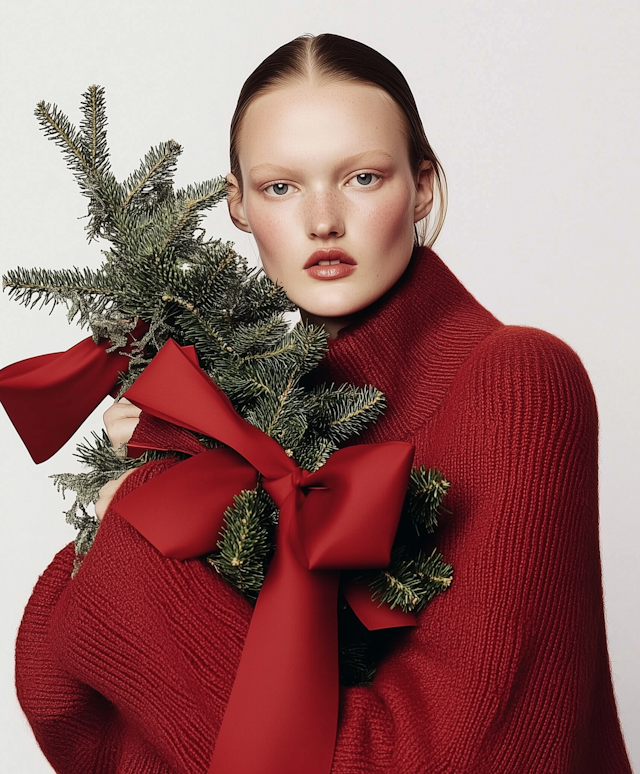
x,y
236,204
424,191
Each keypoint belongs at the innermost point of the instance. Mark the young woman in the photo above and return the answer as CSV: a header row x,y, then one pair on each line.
x,y
129,667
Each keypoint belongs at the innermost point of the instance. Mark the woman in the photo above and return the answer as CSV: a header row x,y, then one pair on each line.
x,y
129,667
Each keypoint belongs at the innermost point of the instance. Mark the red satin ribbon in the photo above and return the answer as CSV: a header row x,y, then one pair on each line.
x,y
48,397
282,714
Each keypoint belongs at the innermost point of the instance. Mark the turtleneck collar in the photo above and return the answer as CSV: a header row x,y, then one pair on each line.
x,y
410,344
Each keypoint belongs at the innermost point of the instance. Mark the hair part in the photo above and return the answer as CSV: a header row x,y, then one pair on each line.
x,y
320,59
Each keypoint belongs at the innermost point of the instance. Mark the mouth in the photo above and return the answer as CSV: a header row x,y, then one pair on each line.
x,y
329,257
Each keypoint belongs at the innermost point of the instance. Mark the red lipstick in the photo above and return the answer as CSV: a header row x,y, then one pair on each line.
x,y
331,263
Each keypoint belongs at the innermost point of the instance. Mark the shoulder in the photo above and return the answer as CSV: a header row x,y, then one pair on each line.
x,y
522,357
531,377
530,349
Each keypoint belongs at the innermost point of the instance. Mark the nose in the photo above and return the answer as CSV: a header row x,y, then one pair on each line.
x,y
325,215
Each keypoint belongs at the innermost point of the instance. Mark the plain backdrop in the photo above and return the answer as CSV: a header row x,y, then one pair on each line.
x,y
533,110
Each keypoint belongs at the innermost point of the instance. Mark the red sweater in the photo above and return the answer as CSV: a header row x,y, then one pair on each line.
x,y
127,668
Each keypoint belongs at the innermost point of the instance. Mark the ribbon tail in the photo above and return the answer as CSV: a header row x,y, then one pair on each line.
x,y
373,614
48,397
282,715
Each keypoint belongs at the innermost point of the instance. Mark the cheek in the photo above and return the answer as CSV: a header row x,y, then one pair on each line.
x,y
269,229
392,217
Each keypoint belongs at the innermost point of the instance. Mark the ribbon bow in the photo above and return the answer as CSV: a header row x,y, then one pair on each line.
x,y
48,397
282,713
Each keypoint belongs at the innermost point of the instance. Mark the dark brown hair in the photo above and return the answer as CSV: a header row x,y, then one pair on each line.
x,y
330,57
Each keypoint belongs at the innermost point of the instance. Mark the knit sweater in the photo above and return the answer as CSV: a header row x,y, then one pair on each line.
x,y
127,668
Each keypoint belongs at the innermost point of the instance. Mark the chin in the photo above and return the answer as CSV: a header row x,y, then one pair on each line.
x,y
334,309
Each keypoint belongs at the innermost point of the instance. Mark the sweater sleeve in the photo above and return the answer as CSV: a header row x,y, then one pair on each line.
x,y
53,701
77,727
508,671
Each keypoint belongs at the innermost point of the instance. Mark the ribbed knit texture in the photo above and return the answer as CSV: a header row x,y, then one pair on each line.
x,y
127,668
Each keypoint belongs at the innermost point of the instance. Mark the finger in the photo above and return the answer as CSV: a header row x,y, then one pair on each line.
x,y
120,421
106,493
118,410
120,433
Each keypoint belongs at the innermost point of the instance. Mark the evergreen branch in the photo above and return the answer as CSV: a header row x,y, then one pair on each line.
x,y
206,280
189,216
208,328
412,579
273,353
268,332
425,495
93,129
55,288
282,399
57,127
245,542
203,195
377,399
28,286
155,172
94,126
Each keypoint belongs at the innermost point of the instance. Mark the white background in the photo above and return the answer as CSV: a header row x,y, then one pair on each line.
x,y
533,110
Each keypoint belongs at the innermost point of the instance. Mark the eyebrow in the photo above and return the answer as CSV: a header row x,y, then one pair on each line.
x,y
350,161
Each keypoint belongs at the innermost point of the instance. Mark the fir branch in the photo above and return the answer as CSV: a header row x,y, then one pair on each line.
x,y
152,181
28,286
344,411
58,128
272,353
425,495
206,326
411,581
245,542
93,134
281,400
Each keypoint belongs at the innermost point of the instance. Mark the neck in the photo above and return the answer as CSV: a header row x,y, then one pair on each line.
x,y
332,325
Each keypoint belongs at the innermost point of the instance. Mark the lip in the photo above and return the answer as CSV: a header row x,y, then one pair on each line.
x,y
329,254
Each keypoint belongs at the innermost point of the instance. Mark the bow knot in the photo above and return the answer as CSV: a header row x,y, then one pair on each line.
x,y
280,489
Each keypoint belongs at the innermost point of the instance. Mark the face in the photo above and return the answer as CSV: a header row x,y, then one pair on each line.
x,y
329,195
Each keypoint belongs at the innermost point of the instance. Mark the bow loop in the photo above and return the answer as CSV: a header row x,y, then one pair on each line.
x,y
351,519
48,397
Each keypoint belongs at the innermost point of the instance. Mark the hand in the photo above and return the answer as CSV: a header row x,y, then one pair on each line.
x,y
120,421
106,494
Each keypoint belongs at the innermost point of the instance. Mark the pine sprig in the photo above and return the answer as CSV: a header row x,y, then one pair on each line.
x,y
57,127
93,130
425,495
30,286
247,542
411,580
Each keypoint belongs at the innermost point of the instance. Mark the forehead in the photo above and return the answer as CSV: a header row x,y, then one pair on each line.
x,y
313,122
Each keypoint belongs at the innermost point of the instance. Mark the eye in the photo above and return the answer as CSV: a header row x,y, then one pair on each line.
x,y
365,179
279,189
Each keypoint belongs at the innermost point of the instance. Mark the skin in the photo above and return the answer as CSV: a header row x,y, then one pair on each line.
x,y
323,165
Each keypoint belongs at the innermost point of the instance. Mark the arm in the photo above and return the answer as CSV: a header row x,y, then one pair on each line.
x,y
507,671
77,728
53,701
